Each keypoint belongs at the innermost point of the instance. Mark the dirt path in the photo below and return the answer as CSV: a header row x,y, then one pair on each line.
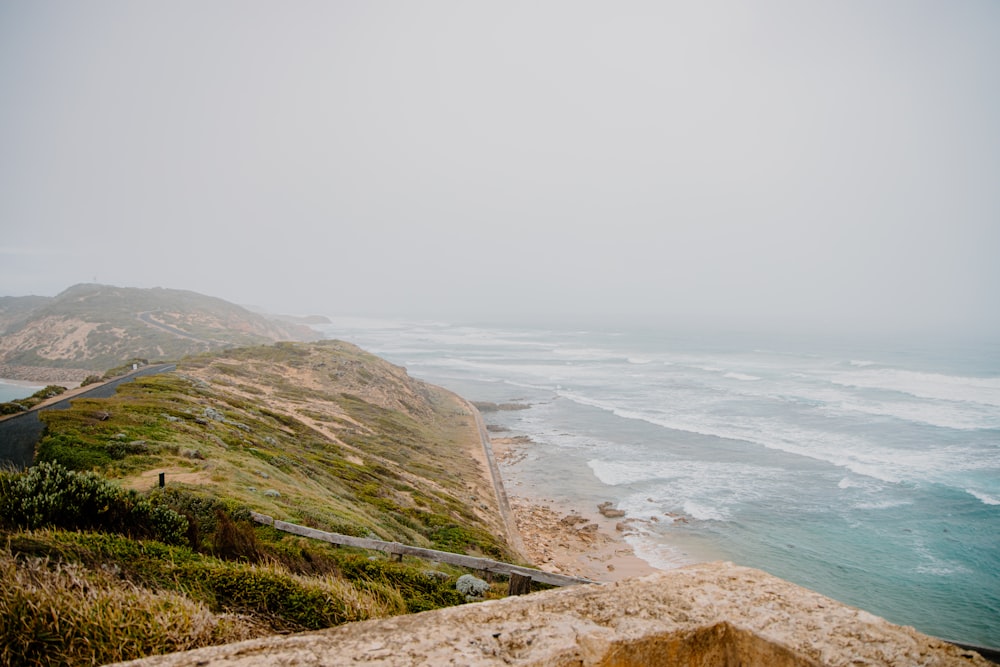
x,y
147,319
513,534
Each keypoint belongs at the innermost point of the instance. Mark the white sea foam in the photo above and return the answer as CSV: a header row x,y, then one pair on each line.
x,y
960,416
703,512
925,385
985,498
655,552
933,565
856,453
849,453
741,376
702,490
881,504
614,473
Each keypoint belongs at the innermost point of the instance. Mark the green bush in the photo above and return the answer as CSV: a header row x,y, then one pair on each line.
x,y
419,590
69,451
11,408
292,601
48,392
49,495
267,594
20,405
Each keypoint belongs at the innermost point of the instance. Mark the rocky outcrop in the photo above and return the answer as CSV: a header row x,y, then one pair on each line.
x,y
708,614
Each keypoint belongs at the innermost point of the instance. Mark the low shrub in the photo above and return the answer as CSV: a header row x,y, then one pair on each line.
x,y
291,602
71,453
11,408
49,495
420,591
269,594
20,405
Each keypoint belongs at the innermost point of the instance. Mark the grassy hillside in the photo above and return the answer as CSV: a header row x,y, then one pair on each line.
x,y
15,309
97,327
321,434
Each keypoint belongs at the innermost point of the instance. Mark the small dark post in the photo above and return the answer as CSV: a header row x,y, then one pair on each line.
x,y
163,479
519,584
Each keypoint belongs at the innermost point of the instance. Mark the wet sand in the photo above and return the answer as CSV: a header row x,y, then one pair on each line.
x,y
578,541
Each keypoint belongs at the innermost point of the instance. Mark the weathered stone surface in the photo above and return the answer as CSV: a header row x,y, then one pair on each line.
x,y
708,614
608,510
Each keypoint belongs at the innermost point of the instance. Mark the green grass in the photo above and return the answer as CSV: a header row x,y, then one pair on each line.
x,y
153,421
70,598
362,450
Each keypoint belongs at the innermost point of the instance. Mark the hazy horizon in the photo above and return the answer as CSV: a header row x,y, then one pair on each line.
x,y
829,166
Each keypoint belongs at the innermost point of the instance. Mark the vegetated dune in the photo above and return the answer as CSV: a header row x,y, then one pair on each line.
x,y
321,434
97,327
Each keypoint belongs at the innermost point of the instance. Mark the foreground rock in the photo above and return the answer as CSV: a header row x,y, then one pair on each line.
x,y
708,614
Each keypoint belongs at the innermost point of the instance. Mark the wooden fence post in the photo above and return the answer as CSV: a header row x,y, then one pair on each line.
x,y
519,584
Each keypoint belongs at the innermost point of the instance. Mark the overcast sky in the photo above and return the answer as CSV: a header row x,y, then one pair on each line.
x,y
739,164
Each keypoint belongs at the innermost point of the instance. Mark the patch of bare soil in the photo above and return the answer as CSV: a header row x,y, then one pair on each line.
x,y
151,478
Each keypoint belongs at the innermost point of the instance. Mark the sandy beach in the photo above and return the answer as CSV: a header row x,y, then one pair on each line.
x,y
41,376
577,541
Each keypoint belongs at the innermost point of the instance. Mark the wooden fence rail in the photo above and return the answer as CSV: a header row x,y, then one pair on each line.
x,y
395,548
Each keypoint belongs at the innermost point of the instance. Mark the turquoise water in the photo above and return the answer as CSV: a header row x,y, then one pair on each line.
x,y
11,392
868,472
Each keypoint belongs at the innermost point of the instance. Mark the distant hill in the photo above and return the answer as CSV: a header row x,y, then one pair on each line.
x,y
96,327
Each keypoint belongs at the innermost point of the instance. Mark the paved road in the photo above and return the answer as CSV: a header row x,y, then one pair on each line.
x,y
19,434
147,318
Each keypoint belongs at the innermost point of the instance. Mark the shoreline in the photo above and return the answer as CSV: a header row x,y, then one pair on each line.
x,y
11,382
576,541
43,375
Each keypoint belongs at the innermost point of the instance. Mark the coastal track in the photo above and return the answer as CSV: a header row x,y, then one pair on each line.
x,y
513,534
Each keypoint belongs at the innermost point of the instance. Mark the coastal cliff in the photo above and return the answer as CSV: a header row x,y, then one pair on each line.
x,y
319,434
328,436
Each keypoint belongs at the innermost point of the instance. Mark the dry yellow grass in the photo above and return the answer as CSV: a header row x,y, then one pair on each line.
x,y
62,614
57,613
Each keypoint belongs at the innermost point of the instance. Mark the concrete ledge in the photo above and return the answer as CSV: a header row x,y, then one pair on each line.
x,y
707,614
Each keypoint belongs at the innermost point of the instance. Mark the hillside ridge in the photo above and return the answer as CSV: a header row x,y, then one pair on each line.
x,y
93,327
319,434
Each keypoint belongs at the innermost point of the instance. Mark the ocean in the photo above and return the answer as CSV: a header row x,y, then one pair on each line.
x,y
11,391
868,471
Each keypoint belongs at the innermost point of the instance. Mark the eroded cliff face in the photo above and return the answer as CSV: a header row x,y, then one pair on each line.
x,y
707,614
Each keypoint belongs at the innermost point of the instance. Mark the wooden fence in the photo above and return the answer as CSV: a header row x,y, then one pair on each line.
x,y
400,550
